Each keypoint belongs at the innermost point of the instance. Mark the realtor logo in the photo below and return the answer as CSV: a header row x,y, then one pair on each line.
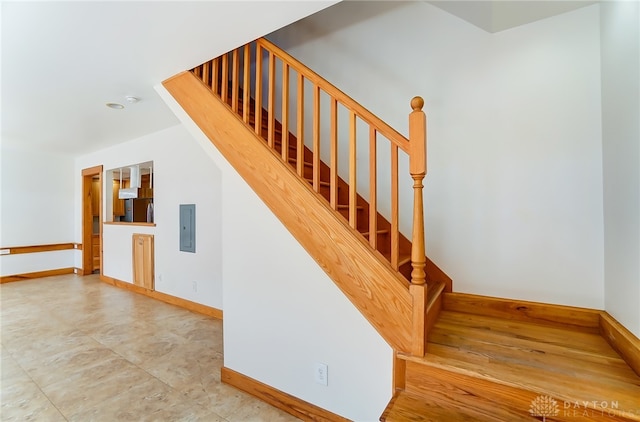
x,y
544,406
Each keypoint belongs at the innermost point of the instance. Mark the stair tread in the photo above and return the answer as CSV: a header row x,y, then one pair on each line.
x,y
408,407
293,160
379,231
402,259
322,182
564,363
346,207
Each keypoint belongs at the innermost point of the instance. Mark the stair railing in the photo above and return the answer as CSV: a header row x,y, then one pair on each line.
x,y
250,75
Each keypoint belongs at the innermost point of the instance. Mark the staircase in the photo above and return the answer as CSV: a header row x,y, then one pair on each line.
x,y
458,357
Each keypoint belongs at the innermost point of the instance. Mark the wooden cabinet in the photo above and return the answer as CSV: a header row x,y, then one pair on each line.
x,y
118,204
95,197
143,260
146,190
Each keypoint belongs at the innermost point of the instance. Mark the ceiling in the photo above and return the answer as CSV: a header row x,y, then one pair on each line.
x,y
62,61
496,15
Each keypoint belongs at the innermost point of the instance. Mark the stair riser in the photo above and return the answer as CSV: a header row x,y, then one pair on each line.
x,y
491,399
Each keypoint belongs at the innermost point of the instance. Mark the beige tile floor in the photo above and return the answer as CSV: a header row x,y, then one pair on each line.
x,y
76,349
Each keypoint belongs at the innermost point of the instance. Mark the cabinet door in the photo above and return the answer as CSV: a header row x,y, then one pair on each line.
x,y
143,260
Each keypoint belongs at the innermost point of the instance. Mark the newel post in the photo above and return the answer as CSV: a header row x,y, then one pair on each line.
x,y
418,170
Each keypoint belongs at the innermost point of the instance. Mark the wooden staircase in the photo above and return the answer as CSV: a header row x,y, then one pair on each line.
x,y
458,357
385,275
273,136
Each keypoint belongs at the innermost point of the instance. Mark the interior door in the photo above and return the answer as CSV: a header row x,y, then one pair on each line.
x,y
91,220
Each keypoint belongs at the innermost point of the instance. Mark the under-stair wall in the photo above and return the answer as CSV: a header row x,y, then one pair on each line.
x,y
282,314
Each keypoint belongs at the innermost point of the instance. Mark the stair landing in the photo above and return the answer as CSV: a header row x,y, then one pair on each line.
x,y
488,368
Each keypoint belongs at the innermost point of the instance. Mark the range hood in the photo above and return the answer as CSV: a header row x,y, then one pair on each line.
x,y
135,193
135,190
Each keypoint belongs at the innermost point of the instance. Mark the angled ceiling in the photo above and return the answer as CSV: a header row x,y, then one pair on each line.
x,y
62,61
498,15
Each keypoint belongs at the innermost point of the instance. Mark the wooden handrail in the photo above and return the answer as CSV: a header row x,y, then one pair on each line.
x,y
382,127
258,86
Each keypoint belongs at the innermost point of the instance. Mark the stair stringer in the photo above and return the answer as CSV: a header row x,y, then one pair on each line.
x,y
375,289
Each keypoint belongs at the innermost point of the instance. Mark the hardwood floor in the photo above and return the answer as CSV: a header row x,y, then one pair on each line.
x,y
76,349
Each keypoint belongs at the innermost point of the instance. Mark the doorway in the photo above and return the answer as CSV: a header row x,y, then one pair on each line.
x,y
92,220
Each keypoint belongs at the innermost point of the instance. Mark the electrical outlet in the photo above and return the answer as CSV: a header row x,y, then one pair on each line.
x,y
321,373
195,286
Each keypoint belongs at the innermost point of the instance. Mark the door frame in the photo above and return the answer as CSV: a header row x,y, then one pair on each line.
x,y
87,218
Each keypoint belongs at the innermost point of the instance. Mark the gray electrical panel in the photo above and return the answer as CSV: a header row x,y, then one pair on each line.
x,y
188,227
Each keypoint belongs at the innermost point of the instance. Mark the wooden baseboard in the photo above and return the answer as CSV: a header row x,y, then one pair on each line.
x,y
583,319
622,340
36,274
163,297
283,401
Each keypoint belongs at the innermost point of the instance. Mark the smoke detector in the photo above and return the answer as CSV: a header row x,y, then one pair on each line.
x,y
132,100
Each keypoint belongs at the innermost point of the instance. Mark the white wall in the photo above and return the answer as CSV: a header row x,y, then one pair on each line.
x,y
36,207
514,191
182,175
282,313
621,159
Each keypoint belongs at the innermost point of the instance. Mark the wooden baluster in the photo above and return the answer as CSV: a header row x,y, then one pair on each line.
x,y
198,71
258,98
395,230
224,83
418,170
316,138
205,72
373,189
246,84
235,80
300,125
215,76
284,138
333,161
271,100
353,193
